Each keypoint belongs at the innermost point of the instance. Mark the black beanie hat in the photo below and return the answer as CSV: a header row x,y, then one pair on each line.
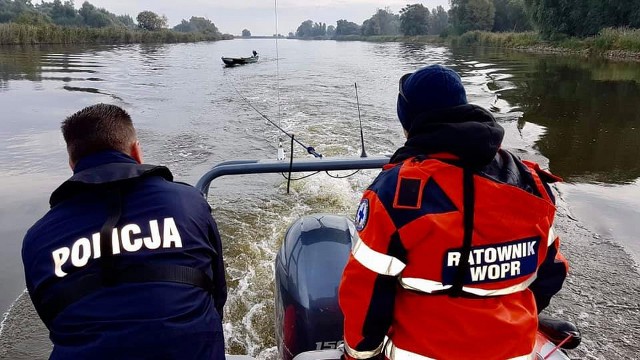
x,y
431,88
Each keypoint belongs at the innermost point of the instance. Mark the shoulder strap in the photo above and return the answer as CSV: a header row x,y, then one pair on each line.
x,y
468,215
83,283
114,208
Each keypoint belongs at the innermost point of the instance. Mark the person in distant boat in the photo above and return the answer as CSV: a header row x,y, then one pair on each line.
x,y
127,264
255,53
456,253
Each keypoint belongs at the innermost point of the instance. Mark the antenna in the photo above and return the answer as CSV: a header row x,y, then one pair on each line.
x,y
364,153
280,149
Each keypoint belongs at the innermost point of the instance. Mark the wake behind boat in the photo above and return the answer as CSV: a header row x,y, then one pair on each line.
x,y
309,321
231,61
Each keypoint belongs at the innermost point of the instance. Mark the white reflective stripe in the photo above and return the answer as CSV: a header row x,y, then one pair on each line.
x,y
375,261
429,286
504,291
552,236
393,352
362,354
423,285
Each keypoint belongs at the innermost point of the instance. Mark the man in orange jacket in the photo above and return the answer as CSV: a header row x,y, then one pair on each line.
x,y
456,252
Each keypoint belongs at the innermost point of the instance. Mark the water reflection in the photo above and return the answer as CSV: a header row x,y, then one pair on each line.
x,y
19,63
589,107
417,55
38,63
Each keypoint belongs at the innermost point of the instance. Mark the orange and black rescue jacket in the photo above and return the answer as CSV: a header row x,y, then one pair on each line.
x,y
407,277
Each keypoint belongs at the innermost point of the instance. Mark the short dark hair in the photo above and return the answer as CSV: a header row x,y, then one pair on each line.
x,y
97,128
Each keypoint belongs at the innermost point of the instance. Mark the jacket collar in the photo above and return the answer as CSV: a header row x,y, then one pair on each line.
x,y
101,170
101,158
468,132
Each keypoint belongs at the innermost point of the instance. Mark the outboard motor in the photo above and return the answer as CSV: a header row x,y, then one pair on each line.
x,y
309,267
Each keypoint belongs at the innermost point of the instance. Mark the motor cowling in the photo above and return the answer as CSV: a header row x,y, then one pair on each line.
x,y
308,270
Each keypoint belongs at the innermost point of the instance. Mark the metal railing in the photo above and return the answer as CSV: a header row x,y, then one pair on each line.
x,y
245,167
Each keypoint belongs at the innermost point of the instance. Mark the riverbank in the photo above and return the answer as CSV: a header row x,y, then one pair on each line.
x,y
616,44
621,44
19,34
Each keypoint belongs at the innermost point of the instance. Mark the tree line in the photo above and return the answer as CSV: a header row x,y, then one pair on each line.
x,y
582,17
23,13
60,13
551,18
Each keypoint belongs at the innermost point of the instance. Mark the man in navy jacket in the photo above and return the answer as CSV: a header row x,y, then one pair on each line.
x,y
127,264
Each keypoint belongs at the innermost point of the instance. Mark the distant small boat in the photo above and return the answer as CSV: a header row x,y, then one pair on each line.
x,y
229,61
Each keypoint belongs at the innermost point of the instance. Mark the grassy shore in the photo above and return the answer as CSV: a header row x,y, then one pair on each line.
x,y
620,43
18,34
608,39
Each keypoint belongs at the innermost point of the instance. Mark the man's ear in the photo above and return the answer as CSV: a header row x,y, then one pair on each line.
x,y
136,152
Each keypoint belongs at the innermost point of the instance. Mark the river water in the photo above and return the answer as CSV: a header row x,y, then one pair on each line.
x,y
580,118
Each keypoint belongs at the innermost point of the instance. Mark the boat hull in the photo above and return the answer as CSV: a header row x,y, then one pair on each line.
x,y
228,61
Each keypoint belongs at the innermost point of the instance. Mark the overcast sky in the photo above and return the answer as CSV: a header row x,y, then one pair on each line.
x,y
231,16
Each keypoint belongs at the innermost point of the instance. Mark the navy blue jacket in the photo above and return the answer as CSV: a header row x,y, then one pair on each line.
x,y
162,223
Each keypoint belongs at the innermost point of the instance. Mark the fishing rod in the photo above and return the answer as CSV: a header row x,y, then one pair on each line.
x,y
363,153
309,149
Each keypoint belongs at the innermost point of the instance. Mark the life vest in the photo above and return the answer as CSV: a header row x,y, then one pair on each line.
x,y
468,249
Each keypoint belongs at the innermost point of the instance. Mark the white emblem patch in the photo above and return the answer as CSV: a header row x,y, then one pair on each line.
x,y
362,215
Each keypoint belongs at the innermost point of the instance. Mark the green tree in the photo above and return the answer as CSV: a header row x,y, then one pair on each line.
x,y
305,29
197,24
581,17
93,17
467,15
344,27
64,14
246,33
32,18
331,31
439,21
414,20
126,21
383,22
510,16
151,21
6,14
184,26
319,29
203,25
11,10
